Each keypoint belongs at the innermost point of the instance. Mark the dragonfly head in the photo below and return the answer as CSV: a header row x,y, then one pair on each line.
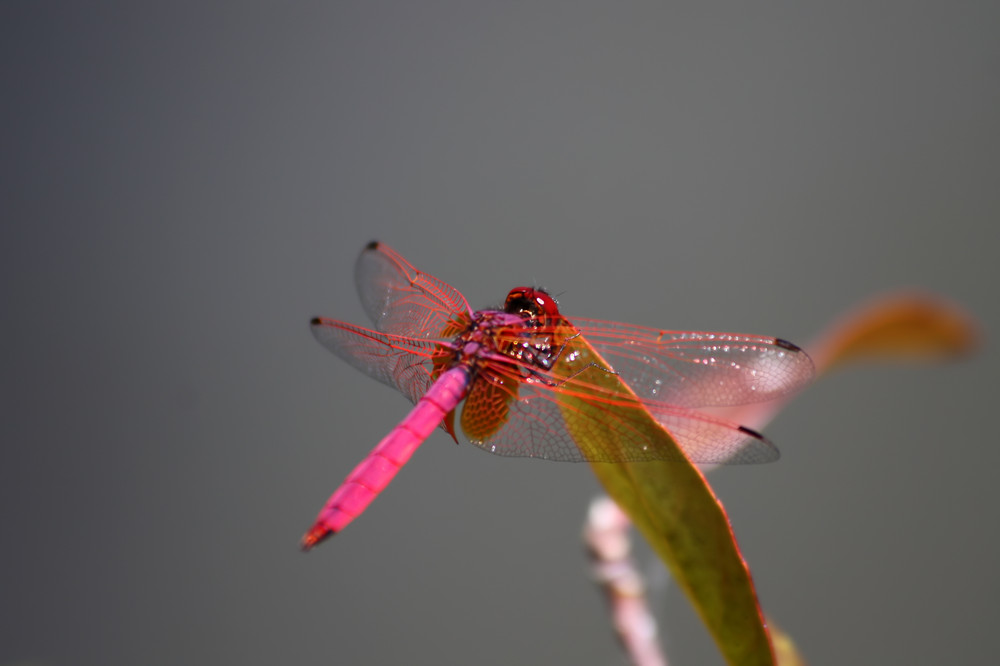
x,y
531,302
538,341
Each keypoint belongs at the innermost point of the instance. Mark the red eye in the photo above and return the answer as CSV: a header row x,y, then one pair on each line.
x,y
547,304
530,300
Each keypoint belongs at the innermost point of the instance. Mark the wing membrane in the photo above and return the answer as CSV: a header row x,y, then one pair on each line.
x,y
400,300
518,407
535,426
403,363
699,369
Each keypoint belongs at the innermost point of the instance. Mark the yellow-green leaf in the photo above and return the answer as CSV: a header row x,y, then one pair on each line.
x,y
672,505
785,650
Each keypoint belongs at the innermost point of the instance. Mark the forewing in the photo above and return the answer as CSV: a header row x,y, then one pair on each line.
x,y
404,363
694,369
401,300
537,404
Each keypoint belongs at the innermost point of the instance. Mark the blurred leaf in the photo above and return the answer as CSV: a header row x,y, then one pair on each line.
x,y
675,509
904,325
785,651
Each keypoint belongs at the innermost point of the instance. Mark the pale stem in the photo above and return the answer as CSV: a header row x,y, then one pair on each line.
x,y
609,546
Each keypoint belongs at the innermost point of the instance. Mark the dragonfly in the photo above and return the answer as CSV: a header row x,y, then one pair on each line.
x,y
524,380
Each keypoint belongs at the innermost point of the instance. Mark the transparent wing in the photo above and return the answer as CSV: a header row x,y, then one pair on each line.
x,y
534,406
699,369
708,440
403,363
525,407
401,300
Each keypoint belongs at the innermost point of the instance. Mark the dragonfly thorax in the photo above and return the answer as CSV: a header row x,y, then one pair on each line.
x,y
524,333
481,339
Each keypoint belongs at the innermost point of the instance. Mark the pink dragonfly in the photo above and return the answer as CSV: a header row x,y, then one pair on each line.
x,y
535,384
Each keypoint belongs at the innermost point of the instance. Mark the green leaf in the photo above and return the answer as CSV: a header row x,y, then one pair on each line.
x,y
672,505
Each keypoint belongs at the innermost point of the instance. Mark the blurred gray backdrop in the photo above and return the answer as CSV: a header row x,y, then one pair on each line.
x,y
183,186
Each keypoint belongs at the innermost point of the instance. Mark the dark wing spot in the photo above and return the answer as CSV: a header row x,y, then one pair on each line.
x,y
787,345
753,433
372,245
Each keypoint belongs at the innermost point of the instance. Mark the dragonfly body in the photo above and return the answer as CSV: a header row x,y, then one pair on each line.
x,y
468,352
375,472
534,384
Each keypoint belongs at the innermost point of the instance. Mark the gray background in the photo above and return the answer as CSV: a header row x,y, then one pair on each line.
x,y
184,186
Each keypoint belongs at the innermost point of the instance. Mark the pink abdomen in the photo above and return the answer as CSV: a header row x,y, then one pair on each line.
x,y
375,472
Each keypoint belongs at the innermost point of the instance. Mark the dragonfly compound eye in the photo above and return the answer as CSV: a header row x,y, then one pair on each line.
x,y
530,301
